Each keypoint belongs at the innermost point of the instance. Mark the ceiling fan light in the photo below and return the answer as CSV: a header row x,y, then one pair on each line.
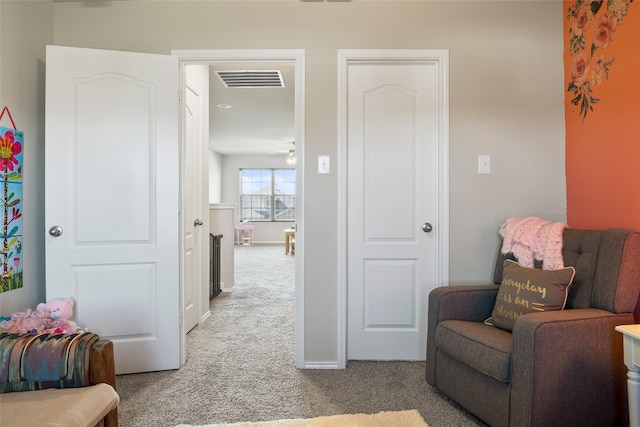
x,y
291,157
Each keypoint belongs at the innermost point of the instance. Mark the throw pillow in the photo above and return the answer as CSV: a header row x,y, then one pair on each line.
x,y
528,290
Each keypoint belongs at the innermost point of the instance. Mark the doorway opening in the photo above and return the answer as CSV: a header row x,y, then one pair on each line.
x,y
256,60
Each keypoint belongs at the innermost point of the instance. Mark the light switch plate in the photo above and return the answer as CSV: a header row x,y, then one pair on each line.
x,y
324,165
484,164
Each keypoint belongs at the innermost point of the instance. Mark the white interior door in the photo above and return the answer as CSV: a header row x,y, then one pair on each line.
x,y
112,187
193,221
392,128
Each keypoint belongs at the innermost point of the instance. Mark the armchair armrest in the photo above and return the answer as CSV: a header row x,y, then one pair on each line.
x,y
560,362
473,303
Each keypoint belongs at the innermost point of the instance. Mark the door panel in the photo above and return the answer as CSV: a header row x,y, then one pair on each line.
x,y
391,109
100,200
112,162
378,313
388,140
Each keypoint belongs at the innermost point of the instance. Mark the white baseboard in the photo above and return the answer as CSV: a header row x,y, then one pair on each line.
x,y
321,365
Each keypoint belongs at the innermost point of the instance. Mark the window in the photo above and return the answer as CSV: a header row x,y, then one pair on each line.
x,y
267,195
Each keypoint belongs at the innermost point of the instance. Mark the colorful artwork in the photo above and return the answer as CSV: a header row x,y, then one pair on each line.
x,y
11,180
592,30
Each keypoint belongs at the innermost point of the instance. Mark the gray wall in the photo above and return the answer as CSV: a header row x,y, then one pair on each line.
x,y
25,29
506,88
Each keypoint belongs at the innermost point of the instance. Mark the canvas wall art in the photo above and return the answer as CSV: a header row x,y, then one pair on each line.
x,y
11,150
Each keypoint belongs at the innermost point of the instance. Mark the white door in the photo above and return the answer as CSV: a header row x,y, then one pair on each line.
x,y
392,127
193,221
112,189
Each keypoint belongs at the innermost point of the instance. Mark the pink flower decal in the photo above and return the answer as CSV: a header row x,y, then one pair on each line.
x,y
582,19
579,69
9,149
604,32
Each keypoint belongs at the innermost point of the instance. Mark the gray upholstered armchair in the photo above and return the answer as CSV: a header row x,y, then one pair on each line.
x,y
555,367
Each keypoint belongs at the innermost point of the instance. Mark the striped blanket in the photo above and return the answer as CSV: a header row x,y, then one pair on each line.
x,y
40,361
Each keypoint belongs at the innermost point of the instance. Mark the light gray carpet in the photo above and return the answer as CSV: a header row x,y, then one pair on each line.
x,y
241,366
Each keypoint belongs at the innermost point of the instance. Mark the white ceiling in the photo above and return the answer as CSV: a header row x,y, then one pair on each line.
x,y
260,120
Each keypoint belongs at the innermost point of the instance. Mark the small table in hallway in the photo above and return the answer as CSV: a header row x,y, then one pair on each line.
x,y
289,238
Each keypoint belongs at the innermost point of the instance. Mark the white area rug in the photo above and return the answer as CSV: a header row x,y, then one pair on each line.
x,y
411,418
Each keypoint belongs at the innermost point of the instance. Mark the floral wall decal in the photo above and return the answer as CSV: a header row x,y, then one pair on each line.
x,y
592,29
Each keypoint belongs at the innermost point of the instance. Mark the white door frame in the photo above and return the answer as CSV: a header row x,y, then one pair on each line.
x,y
441,229
295,56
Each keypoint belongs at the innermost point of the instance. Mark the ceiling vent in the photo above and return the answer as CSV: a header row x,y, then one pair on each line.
x,y
251,79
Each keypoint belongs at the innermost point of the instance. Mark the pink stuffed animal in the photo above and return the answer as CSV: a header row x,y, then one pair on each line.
x,y
59,310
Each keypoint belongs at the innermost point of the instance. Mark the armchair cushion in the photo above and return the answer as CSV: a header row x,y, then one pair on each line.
x,y
528,290
480,346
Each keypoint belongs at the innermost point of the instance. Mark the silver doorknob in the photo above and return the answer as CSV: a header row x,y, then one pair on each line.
x,y
427,227
197,222
55,231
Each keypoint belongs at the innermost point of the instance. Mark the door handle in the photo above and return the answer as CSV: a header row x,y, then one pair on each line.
x,y
197,222
55,231
427,227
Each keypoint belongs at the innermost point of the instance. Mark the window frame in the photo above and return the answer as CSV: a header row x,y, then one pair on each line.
x,y
273,198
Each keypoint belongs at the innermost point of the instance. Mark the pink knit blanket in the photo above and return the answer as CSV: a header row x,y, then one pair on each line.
x,y
532,239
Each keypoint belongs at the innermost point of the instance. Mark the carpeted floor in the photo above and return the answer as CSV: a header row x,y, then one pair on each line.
x,y
240,366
